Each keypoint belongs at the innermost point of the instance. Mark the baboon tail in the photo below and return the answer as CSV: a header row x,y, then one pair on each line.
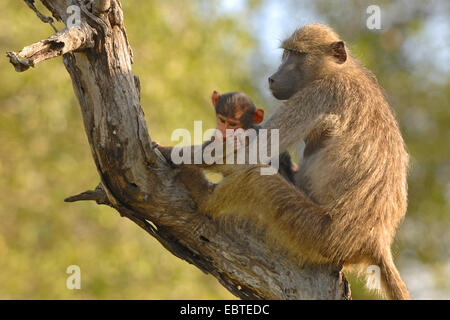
x,y
392,283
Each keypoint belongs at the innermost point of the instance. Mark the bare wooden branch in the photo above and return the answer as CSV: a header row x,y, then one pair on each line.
x,y
141,186
67,40
98,195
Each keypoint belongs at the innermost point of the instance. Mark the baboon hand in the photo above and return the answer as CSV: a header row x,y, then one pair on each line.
x,y
196,183
164,151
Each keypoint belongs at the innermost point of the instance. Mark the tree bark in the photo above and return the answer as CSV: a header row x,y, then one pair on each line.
x,y
137,181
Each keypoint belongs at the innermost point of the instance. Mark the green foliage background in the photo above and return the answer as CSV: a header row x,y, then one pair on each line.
x,y
183,51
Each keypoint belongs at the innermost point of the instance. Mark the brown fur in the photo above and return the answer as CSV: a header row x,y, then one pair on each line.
x,y
239,106
352,189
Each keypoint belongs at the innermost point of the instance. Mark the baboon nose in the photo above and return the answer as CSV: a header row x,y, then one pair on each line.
x,y
271,81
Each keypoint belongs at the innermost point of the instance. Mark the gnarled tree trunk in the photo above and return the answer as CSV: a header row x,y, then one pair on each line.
x,y
138,183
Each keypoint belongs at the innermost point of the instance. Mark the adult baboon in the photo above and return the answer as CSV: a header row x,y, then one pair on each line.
x,y
352,181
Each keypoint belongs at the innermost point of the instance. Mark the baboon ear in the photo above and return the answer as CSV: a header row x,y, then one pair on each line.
x,y
258,116
215,98
338,51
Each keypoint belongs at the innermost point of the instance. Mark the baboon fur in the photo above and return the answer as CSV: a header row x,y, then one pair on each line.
x,y
351,189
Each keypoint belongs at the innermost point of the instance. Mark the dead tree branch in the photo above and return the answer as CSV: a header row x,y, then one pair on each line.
x,y
140,185
68,40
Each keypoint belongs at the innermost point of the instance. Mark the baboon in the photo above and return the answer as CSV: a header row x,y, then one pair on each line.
x,y
351,189
235,110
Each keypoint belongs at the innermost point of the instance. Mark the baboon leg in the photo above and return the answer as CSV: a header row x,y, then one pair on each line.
x,y
273,204
195,182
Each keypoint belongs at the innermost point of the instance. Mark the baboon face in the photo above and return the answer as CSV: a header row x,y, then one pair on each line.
x,y
235,110
290,76
310,53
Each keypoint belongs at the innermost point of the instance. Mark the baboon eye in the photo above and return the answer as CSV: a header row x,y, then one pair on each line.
x,y
222,120
299,53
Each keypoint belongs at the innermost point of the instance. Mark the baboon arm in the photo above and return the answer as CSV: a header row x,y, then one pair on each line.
x,y
168,151
223,168
297,117
294,120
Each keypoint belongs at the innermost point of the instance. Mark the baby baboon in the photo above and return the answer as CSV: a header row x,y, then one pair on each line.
x,y
352,188
235,110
